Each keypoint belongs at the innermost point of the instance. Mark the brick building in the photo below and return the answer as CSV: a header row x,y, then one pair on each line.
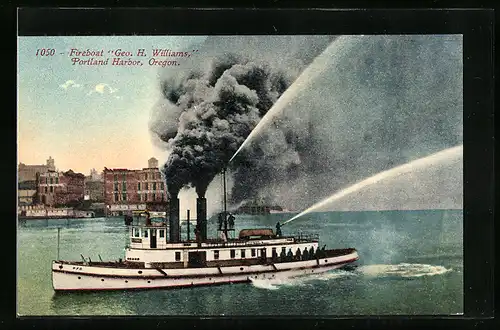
x,y
126,189
60,188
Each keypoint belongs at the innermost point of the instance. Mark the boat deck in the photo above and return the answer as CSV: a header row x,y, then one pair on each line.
x,y
219,263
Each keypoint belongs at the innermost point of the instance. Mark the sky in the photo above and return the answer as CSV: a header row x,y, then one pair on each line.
x,y
88,116
378,102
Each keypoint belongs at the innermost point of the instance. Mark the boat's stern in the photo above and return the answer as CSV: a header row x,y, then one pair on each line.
x,y
353,258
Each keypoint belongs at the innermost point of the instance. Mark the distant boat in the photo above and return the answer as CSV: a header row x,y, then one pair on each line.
x,y
280,211
256,208
54,213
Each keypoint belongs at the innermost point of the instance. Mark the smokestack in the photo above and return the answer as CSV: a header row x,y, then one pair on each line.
x,y
174,219
201,214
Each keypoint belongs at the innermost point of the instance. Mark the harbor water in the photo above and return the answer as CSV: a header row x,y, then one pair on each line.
x,y
411,262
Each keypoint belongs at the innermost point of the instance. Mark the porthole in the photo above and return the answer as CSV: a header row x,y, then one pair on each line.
x,y
126,281
102,280
149,281
255,276
79,278
326,260
241,268
60,266
209,278
140,272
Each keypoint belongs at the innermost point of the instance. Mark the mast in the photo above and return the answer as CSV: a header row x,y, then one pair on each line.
x,y
58,240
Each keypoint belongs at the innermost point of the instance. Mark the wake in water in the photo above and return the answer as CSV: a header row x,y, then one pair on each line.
x,y
276,283
402,270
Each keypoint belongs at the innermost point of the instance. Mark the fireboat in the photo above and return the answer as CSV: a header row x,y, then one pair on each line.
x,y
156,257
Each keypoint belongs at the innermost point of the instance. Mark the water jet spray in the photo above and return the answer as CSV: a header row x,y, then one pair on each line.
x,y
396,171
317,67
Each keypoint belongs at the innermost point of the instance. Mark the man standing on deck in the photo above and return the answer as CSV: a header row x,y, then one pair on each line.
x,y
197,233
278,229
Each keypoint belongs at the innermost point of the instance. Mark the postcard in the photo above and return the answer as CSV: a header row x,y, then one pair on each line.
x,y
240,175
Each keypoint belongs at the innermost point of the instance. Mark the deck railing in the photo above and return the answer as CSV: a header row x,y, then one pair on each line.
x,y
303,237
295,238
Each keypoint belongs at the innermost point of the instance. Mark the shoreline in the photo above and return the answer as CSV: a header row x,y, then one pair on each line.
x,y
53,217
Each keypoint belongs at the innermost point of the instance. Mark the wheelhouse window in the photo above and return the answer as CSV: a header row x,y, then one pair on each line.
x,y
233,253
162,233
216,254
146,232
243,253
138,186
177,256
253,252
136,232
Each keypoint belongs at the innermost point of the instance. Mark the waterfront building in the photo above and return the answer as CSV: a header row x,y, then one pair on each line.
x,y
94,187
94,175
94,191
44,212
152,163
127,190
26,193
29,172
60,188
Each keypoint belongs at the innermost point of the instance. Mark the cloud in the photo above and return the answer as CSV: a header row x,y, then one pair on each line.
x,y
70,83
103,88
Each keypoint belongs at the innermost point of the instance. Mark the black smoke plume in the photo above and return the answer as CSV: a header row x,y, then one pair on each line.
x,y
211,103
381,101
217,110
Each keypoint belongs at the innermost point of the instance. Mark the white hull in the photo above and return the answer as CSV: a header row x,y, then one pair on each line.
x,y
68,277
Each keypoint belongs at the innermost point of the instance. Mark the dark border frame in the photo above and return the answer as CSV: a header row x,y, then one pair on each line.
x,y
476,25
